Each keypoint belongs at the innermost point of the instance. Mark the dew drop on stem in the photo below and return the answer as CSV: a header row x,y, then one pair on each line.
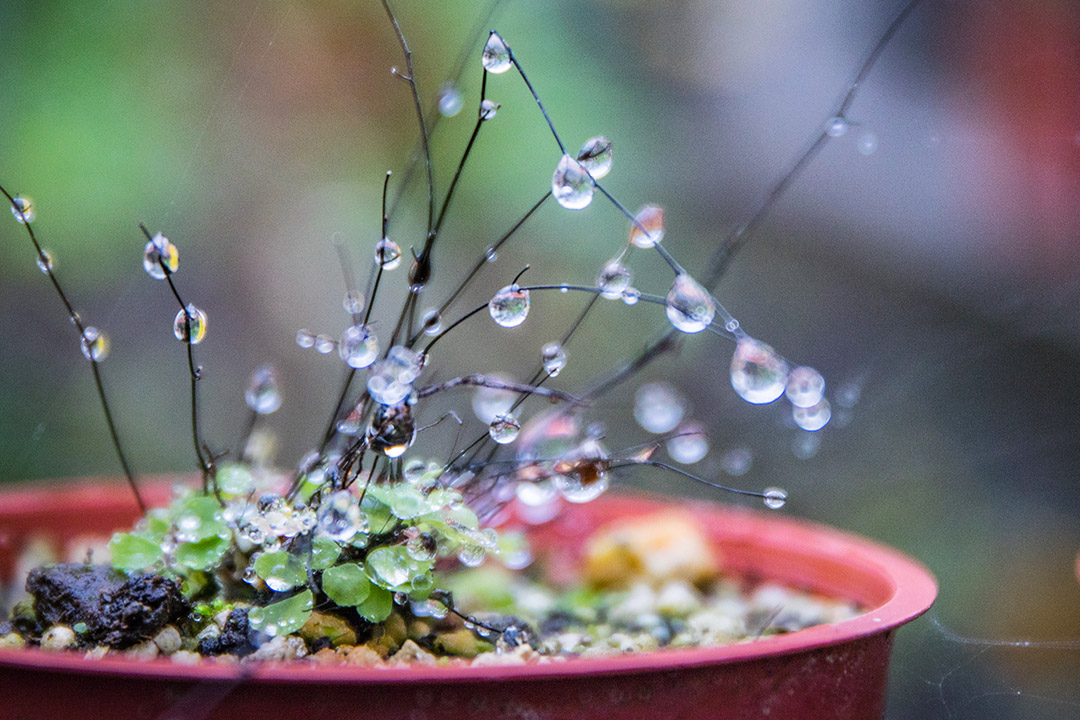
x,y
45,261
189,325
509,307
571,185
95,344
504,428
387,254
689,306
263,395
648,227
758,374
689,445
496,55
23,209
613,279
812,418
553,356
359,346
774,498
805,387
305,338
595,156
160,257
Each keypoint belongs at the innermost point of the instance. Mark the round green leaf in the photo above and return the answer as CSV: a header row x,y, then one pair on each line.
x,y
283,617
377,606
324,553
346,585
280,570
132,553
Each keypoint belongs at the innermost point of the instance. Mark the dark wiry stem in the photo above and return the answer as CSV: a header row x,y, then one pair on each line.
x,y
489,382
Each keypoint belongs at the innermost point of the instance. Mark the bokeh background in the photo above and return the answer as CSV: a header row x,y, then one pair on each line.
x,y
927,262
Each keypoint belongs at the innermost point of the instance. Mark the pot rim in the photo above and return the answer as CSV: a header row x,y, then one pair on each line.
x,y
893,587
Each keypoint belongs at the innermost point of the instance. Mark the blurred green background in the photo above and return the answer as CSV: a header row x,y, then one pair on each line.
x,y
927,262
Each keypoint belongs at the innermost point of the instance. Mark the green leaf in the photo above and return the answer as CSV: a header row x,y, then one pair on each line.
x,y
132,553
280,570
324,553
346,585
234,479
377,606
283,617
392,567
202,555
199,518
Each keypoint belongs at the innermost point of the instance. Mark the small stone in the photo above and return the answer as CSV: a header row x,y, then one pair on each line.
x,y
678,598
98,652
281,648
489,659
461,643
168,640
186,657
58,637
12,641
362,656
412,654
324,625
146,650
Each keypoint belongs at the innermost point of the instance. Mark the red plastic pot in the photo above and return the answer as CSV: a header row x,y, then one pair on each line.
x,y
833,671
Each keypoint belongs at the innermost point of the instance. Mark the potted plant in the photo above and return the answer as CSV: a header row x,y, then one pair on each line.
x,y
355,540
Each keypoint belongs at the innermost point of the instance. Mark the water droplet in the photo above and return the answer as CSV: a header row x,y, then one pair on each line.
x,y
758,374
504,429
339,517
324,344
564,289
614,277
160,257
488,109
353,302
689,306
387,254
491,256
689,445
812,418
658,407
190,325
582,480
95,344
422,548
535,494
262,394
449,100
554,358
510,306
595,156
402,363
571,184
489,402
305,338
774,498
45,261
837,126
250,577
23,209
631,295
472,555
385,389
391,431
805,387
496,55
358,347
737,462
432,322
648,228
868,144
392,564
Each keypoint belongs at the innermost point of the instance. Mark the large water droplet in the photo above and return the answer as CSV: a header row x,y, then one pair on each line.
x,y
422,548
189,325
510,306
689,306
586,477
554,358
358,347
775,498
571,184
472,555
160,257
805,387
496,55
262,394
758,374
45,261
504,429
613,279
689,445
595,156
324,344
339,517
648,228
812,418
23,209
387,254
449,100
392,430
658,407
95,344
305,338
488,109
432,322
489,402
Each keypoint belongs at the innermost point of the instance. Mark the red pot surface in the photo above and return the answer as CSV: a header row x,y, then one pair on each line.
x,y
833,671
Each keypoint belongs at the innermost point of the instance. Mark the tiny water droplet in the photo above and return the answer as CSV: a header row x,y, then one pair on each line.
x,y
648,228
387,254
554,358
353,302
774,498
45,261
689,306
358,347
491,256
23,209
95,344
595,156
689,445
496,55
488,109
631,295
614,277
805,387
504,429
868,144
449,100
571,185
324,344
509,307
564,289
758,374
658,407
731,325
189,325
837,126
262,394
305,338
160,257
812,418
432,322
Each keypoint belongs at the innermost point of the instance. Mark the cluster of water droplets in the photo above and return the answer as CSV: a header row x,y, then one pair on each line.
x,y
340,518
390,381
271,520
